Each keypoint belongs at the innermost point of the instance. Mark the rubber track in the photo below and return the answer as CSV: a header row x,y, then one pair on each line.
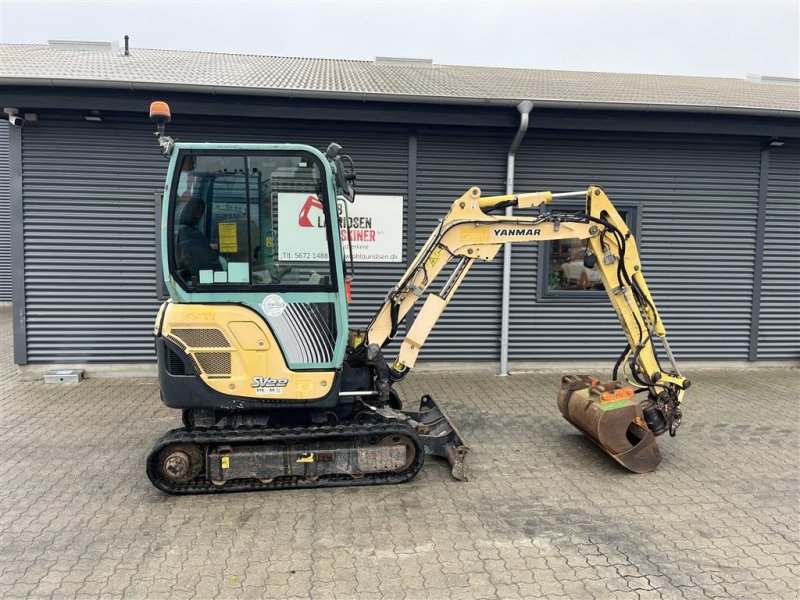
x,y
203,437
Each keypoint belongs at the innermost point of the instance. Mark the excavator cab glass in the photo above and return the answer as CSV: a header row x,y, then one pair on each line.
x,y
254,221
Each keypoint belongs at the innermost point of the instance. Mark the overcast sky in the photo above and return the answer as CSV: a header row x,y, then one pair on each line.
x,y
727,39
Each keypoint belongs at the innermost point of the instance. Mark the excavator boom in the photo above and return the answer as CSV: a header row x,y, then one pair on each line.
x,y
606,413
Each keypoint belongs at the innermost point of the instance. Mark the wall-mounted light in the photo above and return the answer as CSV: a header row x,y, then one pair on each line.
x,y
776,142
93,116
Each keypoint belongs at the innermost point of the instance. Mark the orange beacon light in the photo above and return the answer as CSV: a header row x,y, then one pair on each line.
x,y
159,112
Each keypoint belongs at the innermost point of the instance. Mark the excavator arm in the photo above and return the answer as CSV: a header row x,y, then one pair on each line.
x,y
470,232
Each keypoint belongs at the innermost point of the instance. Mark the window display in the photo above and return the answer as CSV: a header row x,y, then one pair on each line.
x,y
563,262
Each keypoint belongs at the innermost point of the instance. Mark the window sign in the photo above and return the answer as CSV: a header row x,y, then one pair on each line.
x,y
227,237
375,228
301,228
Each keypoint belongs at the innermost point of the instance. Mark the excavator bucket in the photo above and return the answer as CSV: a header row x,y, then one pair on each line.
x,y
440,437
609,416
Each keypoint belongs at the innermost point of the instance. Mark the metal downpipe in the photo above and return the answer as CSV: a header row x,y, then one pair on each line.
x,y
525,107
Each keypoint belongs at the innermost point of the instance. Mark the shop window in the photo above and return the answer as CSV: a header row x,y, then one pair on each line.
x,y
561,263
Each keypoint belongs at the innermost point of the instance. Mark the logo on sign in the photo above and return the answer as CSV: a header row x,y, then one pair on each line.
x,y
303,220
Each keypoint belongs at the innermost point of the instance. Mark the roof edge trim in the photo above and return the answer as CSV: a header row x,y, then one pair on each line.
x,y
408,98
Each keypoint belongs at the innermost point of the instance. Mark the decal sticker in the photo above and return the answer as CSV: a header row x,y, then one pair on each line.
x,y
516,231
273,305
227,238
306,457
226,462
268,385
305,331
435,255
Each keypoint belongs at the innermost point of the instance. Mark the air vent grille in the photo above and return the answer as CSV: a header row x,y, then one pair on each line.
x,y
214,363
201,338
175,366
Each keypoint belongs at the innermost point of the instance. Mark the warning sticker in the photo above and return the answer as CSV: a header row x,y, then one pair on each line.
x,y
435,256
227,238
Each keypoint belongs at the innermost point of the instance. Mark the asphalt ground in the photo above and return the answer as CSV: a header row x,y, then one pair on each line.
x,y
546,515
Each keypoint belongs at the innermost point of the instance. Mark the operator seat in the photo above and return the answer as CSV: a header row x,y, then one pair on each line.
x,y
193,253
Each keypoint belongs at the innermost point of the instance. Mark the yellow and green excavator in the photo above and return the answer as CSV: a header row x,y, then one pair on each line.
x,y
278,391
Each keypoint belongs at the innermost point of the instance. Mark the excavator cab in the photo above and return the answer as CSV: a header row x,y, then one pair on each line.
x,y
254,228
255,333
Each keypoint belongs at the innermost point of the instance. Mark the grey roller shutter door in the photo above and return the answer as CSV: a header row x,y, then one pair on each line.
x,y
779,322
449,163
89,234
697,201
5,216
89,225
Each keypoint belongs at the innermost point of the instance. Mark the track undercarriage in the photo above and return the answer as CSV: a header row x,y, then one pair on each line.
x,y
384,446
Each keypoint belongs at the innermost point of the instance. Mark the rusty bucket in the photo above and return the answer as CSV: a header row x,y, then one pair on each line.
x,y
609,416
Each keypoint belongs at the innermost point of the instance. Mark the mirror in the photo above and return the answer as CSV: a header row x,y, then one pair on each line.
x,y
344,178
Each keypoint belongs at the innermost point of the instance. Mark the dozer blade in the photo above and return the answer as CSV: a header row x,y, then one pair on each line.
x,y
609,416
440,437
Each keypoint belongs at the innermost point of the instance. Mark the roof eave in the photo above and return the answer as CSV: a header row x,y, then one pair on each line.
x,y
409,98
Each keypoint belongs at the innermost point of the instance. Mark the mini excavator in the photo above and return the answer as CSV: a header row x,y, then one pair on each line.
x,y
278,391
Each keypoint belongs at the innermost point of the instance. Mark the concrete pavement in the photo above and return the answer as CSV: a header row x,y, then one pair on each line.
x,y
547,515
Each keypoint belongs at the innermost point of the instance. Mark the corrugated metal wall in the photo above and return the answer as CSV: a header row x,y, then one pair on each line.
x,y
779,323
90,265
449,163
5,216
697,197
89,234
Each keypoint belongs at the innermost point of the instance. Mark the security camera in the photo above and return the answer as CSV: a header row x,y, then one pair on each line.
x,y
13,117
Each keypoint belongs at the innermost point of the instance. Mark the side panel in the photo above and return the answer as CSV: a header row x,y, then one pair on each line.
x,y
236,353
779,323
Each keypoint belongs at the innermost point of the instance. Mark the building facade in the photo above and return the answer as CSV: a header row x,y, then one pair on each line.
x,y
713,200
5,217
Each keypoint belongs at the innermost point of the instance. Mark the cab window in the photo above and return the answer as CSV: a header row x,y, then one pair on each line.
x,y
258,220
